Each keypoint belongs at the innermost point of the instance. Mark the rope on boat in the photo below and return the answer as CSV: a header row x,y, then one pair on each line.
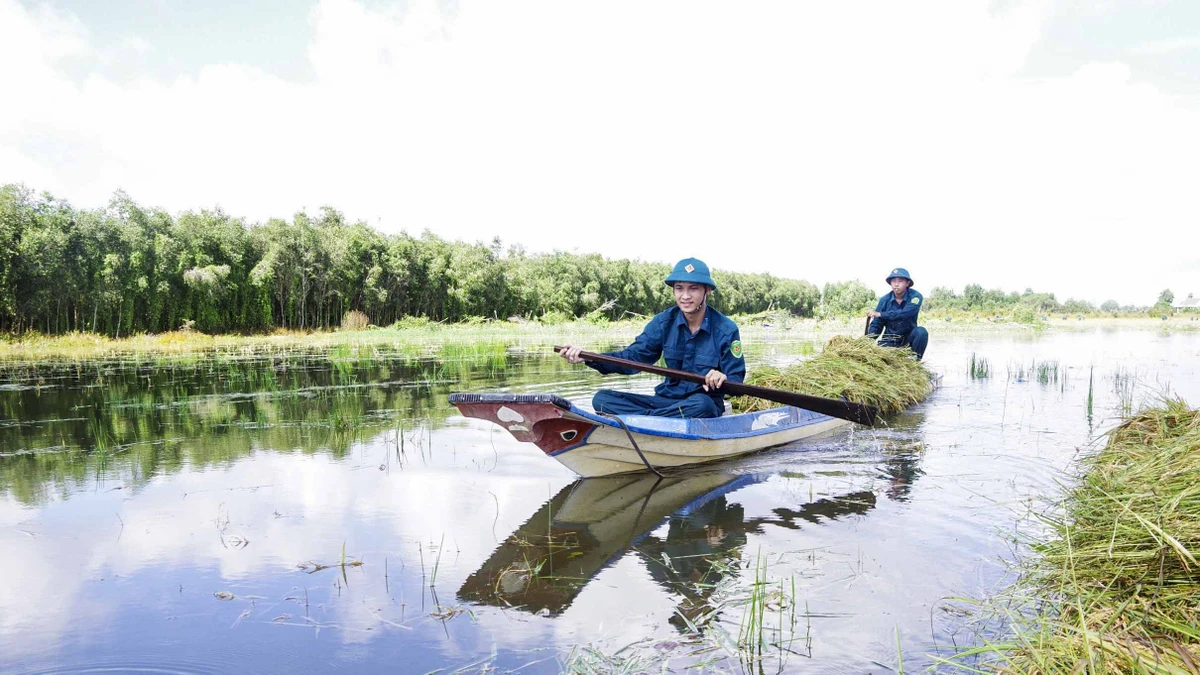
x,y
635,445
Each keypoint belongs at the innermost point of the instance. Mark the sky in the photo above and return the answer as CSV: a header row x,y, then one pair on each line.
x,y
1052,144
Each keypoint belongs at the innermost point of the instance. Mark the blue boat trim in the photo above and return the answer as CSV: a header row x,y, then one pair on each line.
x,y
686,429
732,486
711,428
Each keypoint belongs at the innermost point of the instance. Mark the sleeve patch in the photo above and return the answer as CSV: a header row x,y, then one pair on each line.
x,y
916,301
735,348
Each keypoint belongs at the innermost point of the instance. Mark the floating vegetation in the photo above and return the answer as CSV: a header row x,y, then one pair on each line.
x,y
980,368
855,368
1116,588
312,566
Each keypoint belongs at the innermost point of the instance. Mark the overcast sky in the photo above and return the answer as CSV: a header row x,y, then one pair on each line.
x,y
1049,143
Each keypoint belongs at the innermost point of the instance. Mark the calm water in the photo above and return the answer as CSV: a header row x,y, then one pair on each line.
x,y
192,517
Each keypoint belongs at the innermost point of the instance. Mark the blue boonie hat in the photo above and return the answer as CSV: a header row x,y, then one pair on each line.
x,y
899,272
691,271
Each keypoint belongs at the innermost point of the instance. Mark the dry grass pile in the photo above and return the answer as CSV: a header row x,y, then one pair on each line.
x,y
1118,584
855,368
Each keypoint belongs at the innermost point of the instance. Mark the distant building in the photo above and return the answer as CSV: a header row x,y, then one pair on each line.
x,y
1186,303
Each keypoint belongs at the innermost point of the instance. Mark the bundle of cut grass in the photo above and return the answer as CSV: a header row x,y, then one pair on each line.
x,y
856,368
1121,575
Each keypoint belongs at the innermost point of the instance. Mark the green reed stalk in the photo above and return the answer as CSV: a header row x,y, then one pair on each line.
x,y
1091,390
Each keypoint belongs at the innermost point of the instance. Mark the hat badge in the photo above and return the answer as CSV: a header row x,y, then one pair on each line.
x,y
895,271
690,268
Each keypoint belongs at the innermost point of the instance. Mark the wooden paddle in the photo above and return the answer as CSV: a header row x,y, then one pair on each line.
x,y
846,410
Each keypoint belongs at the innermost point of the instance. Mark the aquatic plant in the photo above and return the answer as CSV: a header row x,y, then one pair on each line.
x,y
1018,371
312,566
855,368
1046,372
1091,390
980,368
1115,589
1124,381
752,630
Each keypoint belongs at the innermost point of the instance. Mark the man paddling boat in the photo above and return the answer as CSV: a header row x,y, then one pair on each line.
x,y
894,318
690,336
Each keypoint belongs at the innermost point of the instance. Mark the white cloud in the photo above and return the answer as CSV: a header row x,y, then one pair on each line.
x,y
137,45
1167,46
818,140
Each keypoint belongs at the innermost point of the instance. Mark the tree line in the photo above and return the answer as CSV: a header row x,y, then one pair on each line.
x,y
126,269
977,299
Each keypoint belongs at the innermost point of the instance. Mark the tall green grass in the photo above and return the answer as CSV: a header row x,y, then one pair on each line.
x,y
1046,372
980,368
1091,399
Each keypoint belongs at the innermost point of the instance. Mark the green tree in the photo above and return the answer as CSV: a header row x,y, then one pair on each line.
x,y
1074,306
846,297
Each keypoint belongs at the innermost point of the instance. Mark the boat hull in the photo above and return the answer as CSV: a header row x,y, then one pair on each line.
x,y
595,445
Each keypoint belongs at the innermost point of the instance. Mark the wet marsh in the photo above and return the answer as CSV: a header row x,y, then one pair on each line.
x,y
298,510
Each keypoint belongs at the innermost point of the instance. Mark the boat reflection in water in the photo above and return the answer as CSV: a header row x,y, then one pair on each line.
x,y
543,565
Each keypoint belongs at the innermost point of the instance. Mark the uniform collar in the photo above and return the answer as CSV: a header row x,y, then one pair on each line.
x,y
681,319
907,296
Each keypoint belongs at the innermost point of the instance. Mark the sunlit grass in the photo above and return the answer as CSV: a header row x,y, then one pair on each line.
x,y
1115,589
857,370
420,336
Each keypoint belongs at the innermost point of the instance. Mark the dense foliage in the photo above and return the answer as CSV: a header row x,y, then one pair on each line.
x,y
975,298
125,269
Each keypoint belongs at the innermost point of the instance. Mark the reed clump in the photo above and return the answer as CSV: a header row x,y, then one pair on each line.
x,y
1120,571
980,368
855,368
355,320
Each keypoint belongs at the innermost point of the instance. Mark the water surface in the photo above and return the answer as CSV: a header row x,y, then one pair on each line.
x,y
328,510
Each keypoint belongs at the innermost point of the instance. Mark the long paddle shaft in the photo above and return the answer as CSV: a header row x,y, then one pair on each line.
x,y
855,412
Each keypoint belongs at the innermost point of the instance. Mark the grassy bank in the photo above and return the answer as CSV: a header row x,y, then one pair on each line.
x,y
420,336
1116,587
421,340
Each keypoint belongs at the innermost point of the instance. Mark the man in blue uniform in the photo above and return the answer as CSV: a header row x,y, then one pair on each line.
x,y
690,336
895,317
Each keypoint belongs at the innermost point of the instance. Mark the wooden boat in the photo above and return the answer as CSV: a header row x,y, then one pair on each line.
x,y
601,445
